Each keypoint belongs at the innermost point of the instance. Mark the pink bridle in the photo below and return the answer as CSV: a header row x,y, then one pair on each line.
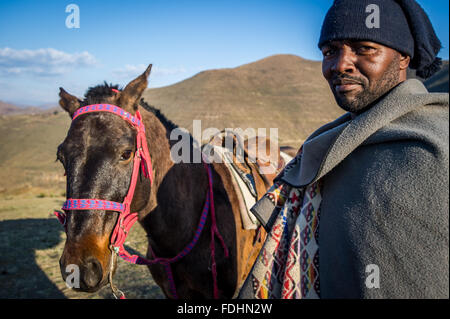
x,y
141,159
126,219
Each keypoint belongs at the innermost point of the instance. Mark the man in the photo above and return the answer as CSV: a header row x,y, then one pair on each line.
x,y
362,211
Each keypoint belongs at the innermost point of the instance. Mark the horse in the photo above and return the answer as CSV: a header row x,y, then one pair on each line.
x,y
98,154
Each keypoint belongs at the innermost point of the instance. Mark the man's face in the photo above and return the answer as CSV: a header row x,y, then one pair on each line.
x,y
359,72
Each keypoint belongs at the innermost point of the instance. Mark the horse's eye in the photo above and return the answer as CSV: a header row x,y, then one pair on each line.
x,y
126,155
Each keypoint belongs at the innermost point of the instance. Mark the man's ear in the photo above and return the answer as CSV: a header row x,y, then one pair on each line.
x,y
132,93
68,102
404,61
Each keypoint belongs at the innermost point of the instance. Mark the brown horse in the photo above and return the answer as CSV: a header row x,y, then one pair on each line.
x,y
97,155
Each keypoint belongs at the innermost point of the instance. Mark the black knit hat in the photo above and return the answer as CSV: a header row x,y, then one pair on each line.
x,y
403,26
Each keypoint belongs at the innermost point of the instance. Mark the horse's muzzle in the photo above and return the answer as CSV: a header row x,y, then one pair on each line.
x,y
91,275
87,277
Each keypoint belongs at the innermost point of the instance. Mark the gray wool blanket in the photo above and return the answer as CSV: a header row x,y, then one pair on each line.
x,y
385,198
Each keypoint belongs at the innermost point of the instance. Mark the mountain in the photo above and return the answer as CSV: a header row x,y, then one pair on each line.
x,y
281,91
28,145
8,109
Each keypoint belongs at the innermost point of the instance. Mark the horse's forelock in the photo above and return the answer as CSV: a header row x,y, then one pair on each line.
x,y
98,94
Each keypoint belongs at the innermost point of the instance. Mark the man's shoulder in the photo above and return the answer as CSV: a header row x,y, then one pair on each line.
x,y
345,118
430,118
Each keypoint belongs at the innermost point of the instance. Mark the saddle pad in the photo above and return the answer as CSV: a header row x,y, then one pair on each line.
x,y
286,157
245,196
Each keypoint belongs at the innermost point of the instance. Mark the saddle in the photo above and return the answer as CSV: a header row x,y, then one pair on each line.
x,y
253,163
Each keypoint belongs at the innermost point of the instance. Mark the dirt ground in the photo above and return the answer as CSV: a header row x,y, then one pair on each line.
x,y
31,243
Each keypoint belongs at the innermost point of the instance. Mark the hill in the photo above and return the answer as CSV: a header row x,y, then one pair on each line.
x,y
8,109
282,91
28,152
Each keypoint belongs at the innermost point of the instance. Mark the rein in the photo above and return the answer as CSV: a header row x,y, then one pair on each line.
x,y
142,160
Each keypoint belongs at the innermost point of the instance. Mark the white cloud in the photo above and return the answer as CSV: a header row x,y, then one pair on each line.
x,y
131,71
42,62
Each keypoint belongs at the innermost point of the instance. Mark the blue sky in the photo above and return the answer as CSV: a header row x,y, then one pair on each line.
x,y
117,39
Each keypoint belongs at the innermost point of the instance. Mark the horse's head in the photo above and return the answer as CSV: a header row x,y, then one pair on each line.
x,y
97,155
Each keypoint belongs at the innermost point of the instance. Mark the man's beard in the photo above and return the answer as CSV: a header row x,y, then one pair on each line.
x,y
371,91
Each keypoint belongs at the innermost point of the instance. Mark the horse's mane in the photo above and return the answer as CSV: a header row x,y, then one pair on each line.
x,y
169,125
97,94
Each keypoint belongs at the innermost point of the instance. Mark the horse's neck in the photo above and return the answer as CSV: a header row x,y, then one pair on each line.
x,y
176,197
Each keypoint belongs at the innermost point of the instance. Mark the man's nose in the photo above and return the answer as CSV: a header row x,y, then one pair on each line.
x,y
344,61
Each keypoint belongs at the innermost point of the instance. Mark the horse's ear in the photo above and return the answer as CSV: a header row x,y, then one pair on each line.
x,y
131,95
68,102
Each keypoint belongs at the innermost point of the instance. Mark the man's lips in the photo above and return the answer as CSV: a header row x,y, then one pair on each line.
x,y
346,86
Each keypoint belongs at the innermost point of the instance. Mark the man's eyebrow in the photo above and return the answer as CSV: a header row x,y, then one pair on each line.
x,y
330,46
326,45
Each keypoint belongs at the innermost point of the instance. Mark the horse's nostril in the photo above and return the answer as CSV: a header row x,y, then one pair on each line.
x,y
93,273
